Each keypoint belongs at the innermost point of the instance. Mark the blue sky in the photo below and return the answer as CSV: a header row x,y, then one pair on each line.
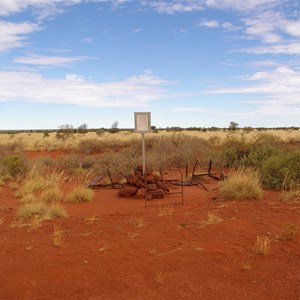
x,y
190,63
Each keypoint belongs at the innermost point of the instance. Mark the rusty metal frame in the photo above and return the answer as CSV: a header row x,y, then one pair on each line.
x,y
196,177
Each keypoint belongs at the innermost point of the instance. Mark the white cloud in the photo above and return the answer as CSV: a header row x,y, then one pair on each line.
x,y
290,48
266,26
242,5
279,90
88,40
45,7
12,35
292,27
136,31
74,89
48,60
272,27
175,6
74,77
209,24
227,26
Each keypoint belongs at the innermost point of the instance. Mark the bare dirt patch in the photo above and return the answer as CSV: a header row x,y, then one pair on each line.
x,y
115,248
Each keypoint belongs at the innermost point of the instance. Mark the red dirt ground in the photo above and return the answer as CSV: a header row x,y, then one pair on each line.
x,y
127,251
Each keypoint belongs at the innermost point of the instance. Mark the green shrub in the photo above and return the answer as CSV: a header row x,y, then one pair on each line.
x,y
13,165
234,149
258,155
282,169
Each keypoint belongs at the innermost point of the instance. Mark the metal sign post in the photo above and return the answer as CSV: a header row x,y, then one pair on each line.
x,y
142,123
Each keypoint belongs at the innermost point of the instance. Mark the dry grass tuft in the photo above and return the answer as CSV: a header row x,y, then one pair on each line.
x,y
29,198
166,210
262,245
211,219
159,277
103,248
31,210
292,195
35,223
242,184
79,194
139,222
133,235
289,232
52,195
56,211
57,235
246,264
91,220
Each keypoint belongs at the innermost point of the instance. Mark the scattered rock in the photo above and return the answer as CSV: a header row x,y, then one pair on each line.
x,y
150,186
158,194
127,191
140,194
132,179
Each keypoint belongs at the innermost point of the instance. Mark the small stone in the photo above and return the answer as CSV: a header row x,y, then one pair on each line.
x,y
141,184
152,187
150,178
140,194
158,194
132,179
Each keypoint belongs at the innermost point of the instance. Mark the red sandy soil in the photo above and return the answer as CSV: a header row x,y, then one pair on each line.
x,y
128,251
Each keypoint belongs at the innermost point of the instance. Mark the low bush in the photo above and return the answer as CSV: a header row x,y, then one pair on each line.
x,y
11,148
242,184
281,170
257,155
233,149
13,166
91,146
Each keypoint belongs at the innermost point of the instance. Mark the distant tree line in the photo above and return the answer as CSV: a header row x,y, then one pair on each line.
x,y
64,131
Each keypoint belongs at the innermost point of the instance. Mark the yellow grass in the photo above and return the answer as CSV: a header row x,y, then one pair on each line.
x,y
37,141
159,277
262,245
57,235
80,193
242,184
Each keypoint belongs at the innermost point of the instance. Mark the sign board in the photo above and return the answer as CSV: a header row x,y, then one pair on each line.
x,y
142,122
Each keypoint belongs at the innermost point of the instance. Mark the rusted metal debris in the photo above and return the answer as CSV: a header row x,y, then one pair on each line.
x,y
196,177
146,182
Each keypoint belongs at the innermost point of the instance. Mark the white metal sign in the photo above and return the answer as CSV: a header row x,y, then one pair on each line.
x,y
142,122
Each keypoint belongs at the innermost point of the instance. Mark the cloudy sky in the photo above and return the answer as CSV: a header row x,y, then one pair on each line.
x,y
189,62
